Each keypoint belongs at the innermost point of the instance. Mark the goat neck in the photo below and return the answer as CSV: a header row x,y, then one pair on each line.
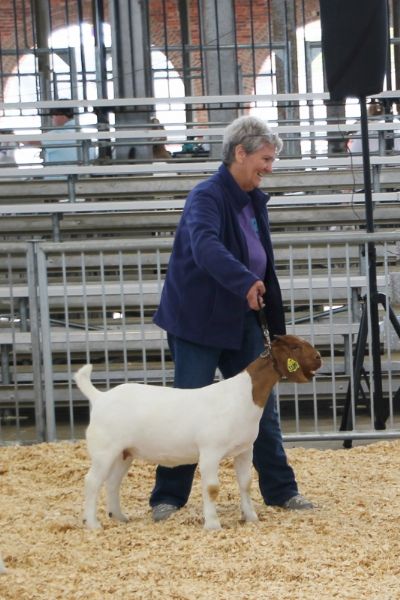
x,y
264,376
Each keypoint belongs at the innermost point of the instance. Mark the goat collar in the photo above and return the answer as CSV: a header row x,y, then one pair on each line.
x,y
267,353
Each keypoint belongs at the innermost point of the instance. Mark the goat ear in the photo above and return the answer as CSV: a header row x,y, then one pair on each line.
x,y
294,347
290,341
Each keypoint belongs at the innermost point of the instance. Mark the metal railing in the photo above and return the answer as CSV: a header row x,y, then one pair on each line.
x,y
64,304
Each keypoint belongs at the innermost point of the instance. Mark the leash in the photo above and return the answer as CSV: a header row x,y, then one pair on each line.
x,y
264,329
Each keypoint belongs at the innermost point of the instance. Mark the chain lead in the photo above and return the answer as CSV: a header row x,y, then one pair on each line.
x,y
264,329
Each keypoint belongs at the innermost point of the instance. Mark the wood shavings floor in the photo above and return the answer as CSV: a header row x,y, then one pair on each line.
x,y
347,549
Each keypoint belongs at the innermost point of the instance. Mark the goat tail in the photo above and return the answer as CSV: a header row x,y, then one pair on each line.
x,y
82,380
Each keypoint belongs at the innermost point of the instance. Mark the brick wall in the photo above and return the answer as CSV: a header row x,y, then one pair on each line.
x,y
252,27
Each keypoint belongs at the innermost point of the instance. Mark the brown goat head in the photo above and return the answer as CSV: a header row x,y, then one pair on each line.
x,y
295,358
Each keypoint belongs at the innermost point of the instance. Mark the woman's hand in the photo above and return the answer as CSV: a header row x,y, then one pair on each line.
x,y
255,294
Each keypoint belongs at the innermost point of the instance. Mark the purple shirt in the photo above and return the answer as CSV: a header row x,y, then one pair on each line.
x,y
249,226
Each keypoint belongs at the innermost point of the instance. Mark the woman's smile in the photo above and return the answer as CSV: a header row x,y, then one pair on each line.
x,y
248,170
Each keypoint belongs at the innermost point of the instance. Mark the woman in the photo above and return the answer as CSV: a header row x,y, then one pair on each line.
x,y
221,267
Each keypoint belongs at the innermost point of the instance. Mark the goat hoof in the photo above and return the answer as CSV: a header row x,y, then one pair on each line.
x,y
91,524
213,526
118,517
250,518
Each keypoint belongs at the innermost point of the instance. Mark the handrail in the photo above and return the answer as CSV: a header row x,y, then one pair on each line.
x,y
151,102
322,163
139,132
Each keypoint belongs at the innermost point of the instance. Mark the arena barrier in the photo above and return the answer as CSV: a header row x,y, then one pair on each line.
x,y
65,304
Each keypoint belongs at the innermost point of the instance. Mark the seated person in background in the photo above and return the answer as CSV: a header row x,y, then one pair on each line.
x,y
159,149
61,152
66,151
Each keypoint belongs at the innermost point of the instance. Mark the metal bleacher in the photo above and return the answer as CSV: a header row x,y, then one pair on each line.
x,y
102,234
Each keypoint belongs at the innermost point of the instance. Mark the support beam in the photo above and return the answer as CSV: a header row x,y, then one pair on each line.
x,y
132,67
220,59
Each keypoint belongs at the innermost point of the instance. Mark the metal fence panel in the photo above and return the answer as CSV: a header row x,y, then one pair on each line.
x,y
93,301
21,400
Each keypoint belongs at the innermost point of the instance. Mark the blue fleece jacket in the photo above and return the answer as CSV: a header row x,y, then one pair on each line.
x,y
204,294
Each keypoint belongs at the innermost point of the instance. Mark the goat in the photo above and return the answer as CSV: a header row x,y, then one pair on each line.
x,y
171,426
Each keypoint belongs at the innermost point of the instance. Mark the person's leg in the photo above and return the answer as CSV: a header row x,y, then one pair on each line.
x,y
195,367
276,477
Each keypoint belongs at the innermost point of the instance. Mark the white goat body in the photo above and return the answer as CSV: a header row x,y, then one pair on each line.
x,y
171,426
168,426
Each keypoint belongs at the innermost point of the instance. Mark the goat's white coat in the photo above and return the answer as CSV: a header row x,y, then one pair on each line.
x,y
170,427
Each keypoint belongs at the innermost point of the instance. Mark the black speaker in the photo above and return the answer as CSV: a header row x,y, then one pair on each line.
x,y
354,46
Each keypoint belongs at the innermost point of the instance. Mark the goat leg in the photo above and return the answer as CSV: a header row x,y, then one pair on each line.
x,y
95,477
113,485
242,463
208,465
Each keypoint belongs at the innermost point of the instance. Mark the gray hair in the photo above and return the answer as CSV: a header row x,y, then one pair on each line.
x,y
252,133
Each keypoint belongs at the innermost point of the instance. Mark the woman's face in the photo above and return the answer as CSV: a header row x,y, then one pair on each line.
x,y
249,169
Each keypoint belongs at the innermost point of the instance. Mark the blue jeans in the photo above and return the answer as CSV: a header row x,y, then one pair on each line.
x,y
195,366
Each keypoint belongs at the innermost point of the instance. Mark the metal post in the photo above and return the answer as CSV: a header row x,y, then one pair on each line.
x,y
186,57
220,61
46,346
101,73
34,322
132,70
372,299
5,363
41,15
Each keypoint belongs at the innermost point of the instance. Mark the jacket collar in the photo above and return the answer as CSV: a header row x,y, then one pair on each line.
x,y
240,198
